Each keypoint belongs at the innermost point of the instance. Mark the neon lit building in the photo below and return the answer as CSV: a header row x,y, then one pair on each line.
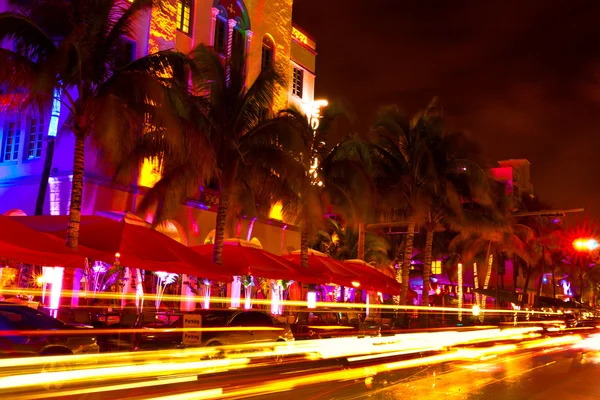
x,y
516,175
263,30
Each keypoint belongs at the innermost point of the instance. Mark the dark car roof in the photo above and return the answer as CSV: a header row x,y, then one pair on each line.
x,y
216,317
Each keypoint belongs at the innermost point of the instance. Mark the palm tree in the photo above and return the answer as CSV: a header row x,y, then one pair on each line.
x,y
227,142
412,172
341,243
335,176
457,178
76,49
549,246
488,231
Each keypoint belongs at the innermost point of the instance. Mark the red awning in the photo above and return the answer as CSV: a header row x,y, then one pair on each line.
x,y
21,243
244,258
137,246
322,265
350,274
378,280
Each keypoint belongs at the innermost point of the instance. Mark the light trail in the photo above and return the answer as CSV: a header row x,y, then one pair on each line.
x,y
355,373
296,303
112,367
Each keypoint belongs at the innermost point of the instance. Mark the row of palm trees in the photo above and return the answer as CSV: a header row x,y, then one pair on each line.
x,y
198,117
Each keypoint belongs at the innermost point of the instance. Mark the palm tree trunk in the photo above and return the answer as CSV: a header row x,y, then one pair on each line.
x,y
489,258
408,248
220,226
543,269
304,244
527,277
427,265
41,197
74,211
553,284
76,193
361,241
580,286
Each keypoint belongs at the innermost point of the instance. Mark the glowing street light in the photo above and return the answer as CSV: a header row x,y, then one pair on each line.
x,y
585,244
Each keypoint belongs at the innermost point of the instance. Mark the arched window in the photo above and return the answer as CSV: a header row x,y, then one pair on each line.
x,y
268,53
238,41
221,33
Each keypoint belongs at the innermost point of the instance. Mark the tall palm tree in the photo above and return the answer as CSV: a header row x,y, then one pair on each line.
x,y
548,237
227,142
456,178
76,49
336,176
404,148
342,243
485,232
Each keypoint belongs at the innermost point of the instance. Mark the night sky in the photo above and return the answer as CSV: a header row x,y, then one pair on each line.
x,y
521,76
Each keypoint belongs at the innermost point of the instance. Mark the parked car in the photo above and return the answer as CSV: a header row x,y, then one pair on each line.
x,y
327,323
271,330
18,336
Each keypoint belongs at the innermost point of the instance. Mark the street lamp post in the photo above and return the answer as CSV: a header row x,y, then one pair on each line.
x,y
584,245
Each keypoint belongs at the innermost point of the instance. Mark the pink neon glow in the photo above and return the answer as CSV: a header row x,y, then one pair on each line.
x,y
367,303
236,287
57,276
311,299
206,297
275,290
248,294
283,238
250,228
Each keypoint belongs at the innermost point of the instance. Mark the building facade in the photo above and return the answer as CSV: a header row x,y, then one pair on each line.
x,y
261,29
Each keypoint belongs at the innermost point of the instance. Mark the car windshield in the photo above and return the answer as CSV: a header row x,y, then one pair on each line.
x,y
209,318
23,318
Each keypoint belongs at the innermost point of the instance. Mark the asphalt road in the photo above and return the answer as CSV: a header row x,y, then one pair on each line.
x,y
555,372
563,375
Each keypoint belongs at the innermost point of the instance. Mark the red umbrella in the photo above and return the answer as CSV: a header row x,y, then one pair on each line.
x,y
136,246
18,242
323,265
241,257
373,278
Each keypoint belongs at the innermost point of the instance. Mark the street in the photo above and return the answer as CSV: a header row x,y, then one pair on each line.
x,y
514,363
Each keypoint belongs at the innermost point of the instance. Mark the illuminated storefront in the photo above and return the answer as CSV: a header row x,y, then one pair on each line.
x,y
263,31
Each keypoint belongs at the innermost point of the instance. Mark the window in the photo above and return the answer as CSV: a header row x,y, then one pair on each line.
x,y
184,12
268,52
220,36
36,135
20,318
436,267
297,82
250,318
238,45
12,138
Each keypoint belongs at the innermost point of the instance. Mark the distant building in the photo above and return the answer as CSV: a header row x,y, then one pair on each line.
x,y
516,175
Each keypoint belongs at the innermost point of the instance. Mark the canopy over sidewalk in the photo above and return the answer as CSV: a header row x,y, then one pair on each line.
x,y
350,274
134,245
241,257
20,243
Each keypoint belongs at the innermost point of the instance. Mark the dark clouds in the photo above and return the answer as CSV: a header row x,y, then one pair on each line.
x,y
523,76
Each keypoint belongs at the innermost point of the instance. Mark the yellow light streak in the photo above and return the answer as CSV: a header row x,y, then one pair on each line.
x,y
118,366
108,388
127,371
298,303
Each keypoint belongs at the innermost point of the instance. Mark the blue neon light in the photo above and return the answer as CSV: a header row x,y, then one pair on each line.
x,y
53,127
